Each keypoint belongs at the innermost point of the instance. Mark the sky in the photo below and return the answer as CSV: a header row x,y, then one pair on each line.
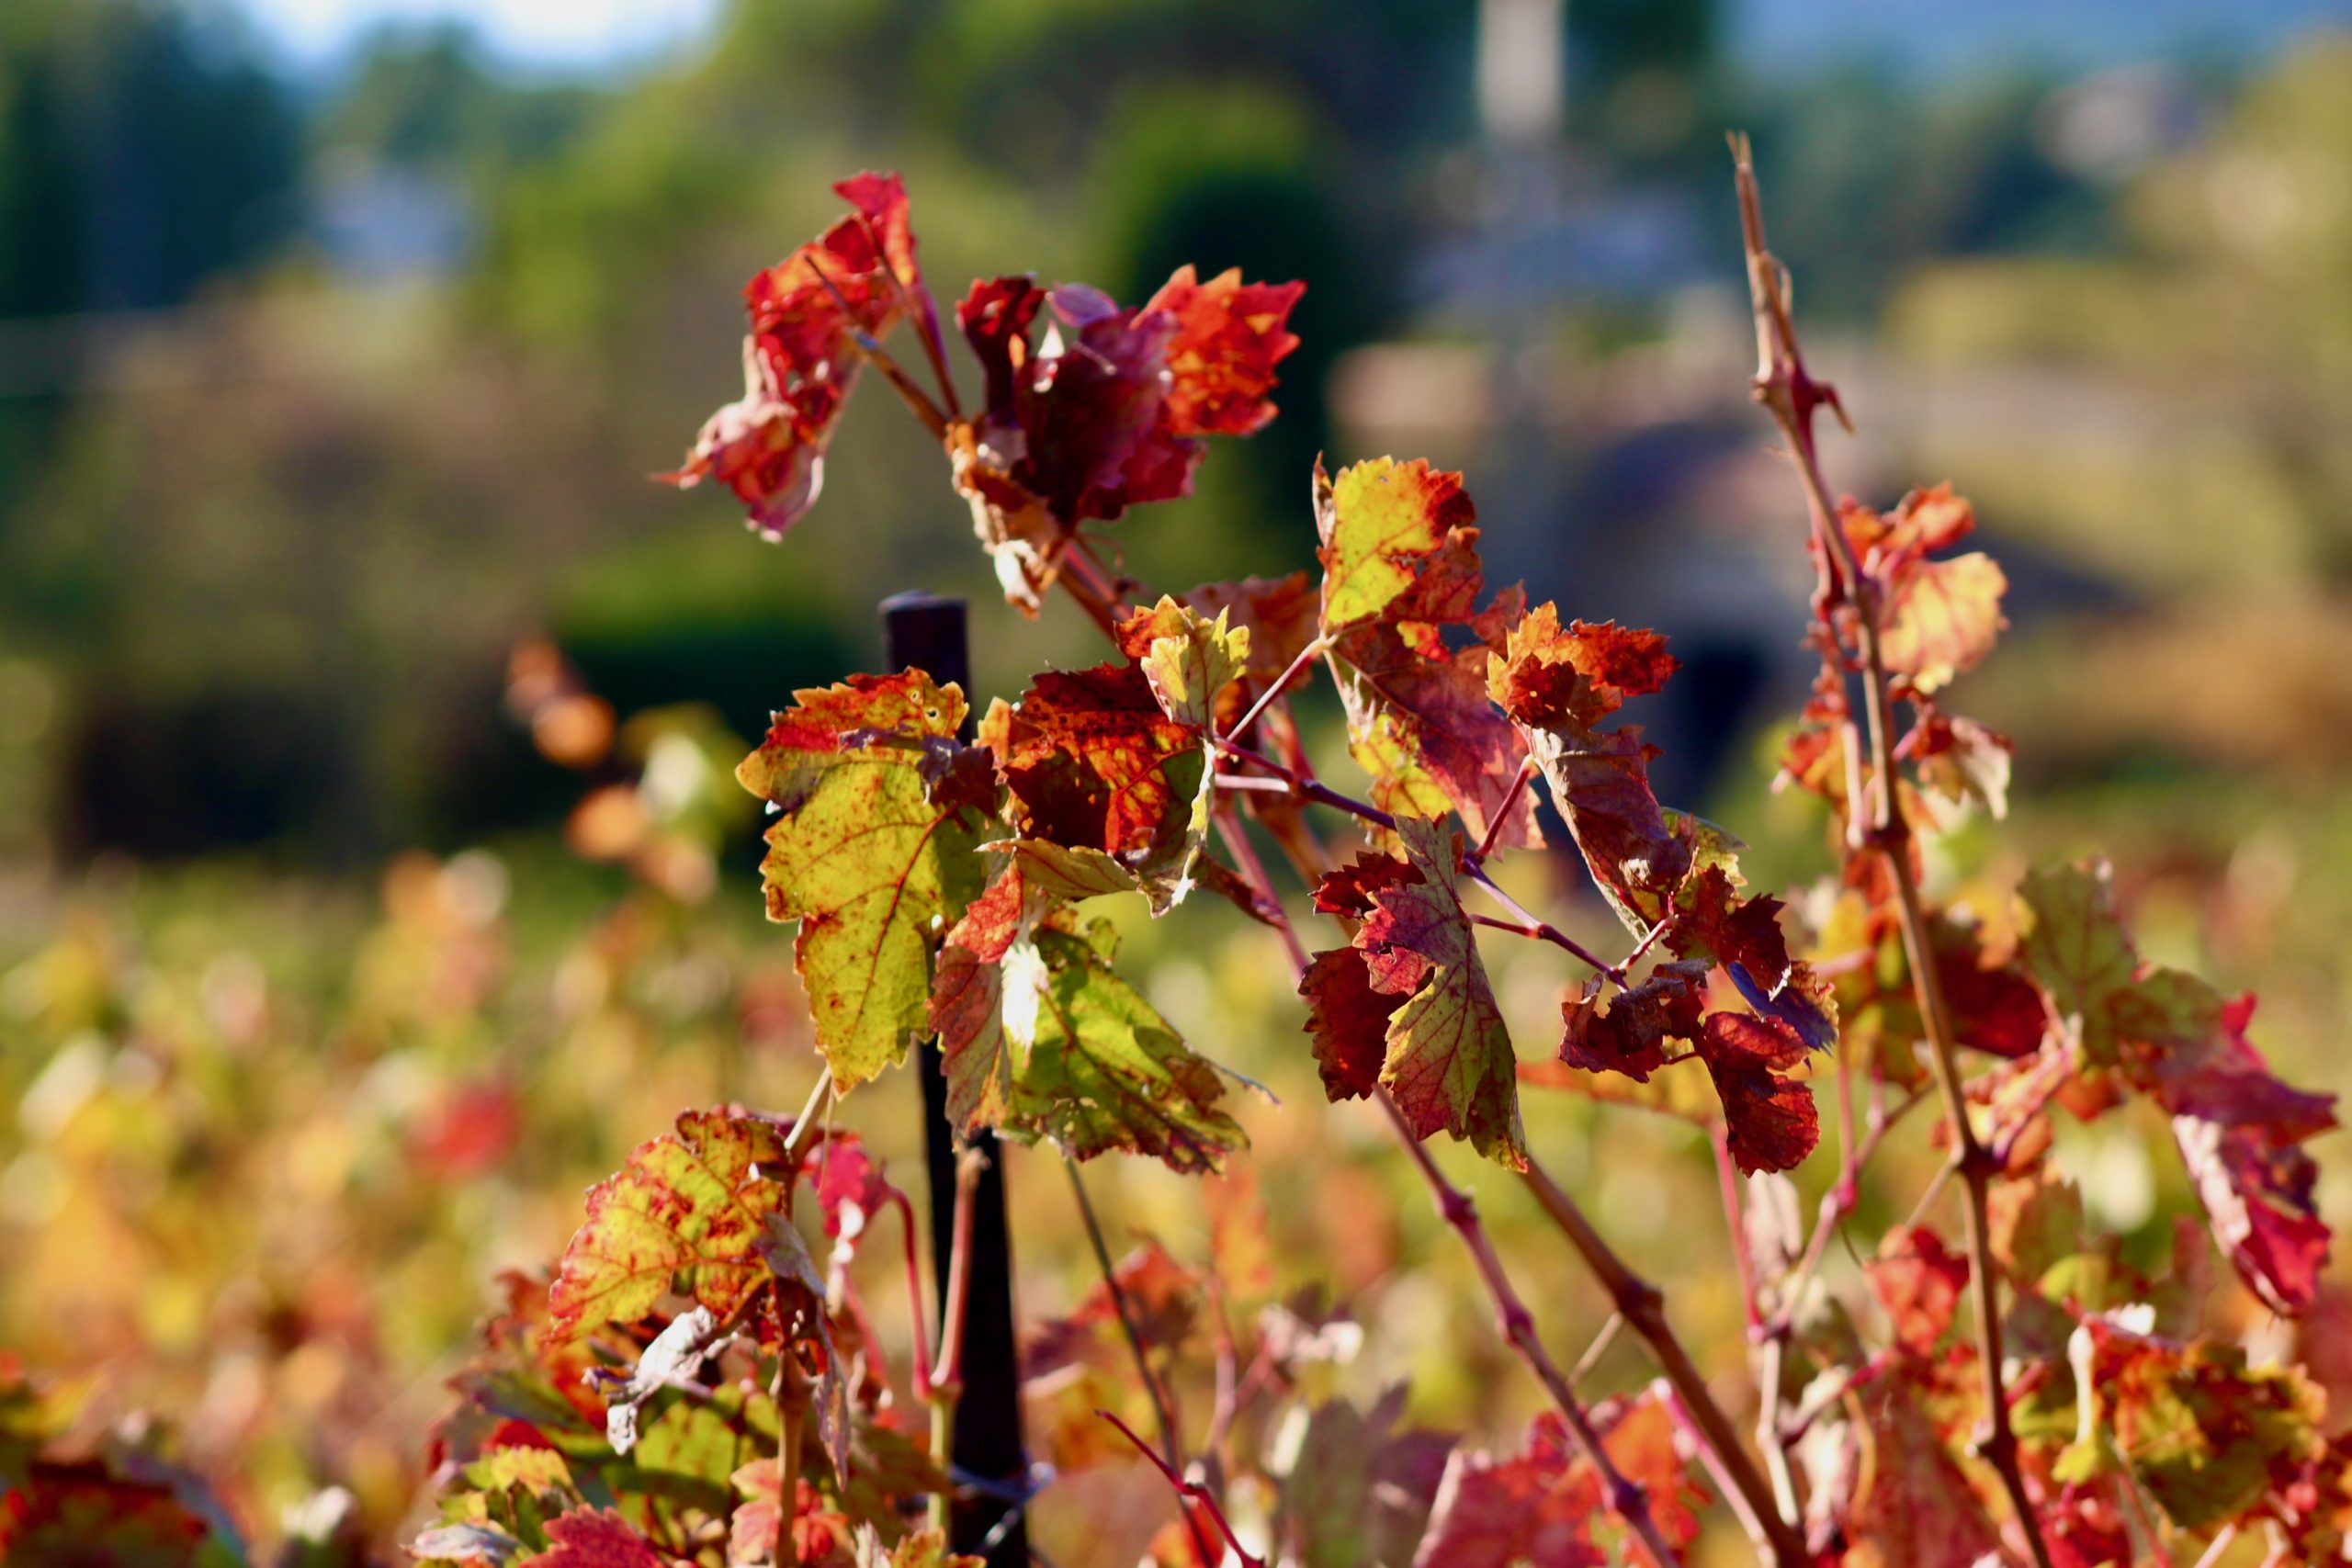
x,y
538,32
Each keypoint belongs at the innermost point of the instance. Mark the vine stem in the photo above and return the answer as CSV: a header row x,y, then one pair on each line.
x,y
916,1311
1170,1459
798,1142
1793,398
1138,1347
1518,1324
1766,1542
946,1379
1643,1307
1188,1492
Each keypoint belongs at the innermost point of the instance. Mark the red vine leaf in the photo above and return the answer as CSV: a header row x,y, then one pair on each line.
x,y
1744,936
1537,1506
1106,411
1534,1508
1556,683
1919,1510
1443,1052
879,814
801,359
1113,761
1628,1032
83,1512
596,1538
1937,618
1919,1283
1770,1120
1230,335
1348,1020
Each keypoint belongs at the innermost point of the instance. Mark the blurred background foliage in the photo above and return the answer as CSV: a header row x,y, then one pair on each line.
x,y
336,954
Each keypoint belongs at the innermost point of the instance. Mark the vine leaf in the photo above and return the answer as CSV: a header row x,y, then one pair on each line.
x,y
1229,336
1400,564
1046,1040
596,1538
1535,1506
688,1210
1278,614
2171,1035
802,358
1918,1281
1919,1510
1744,936
1629,1033
879,816
2206,1435
1557,683
1538,1506
1937,618
1361,1487
1106,411
1112,763
1442,1047
1770,1120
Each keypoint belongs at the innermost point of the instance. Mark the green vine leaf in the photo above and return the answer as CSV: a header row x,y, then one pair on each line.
x,y
1042,1039
881,814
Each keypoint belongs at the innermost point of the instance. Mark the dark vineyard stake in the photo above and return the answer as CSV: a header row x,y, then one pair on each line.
x,y
924,632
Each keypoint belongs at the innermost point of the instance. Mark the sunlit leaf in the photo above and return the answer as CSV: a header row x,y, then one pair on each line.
x,y
880,812
688,1212
1445,1053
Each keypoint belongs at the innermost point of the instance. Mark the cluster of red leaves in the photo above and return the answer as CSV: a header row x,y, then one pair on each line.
x,y
811,314
1105,409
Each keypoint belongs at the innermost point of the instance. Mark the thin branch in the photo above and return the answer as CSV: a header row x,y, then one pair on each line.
x,y
1138,1345
1735,1221
871,350
917,1311
2223,1541
925,312
1528,925
1793,398
1501,813
1767,1542
806,1127
1644,1307
1518,1324
1281,683
947,1375
1597,1348
1189,1494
